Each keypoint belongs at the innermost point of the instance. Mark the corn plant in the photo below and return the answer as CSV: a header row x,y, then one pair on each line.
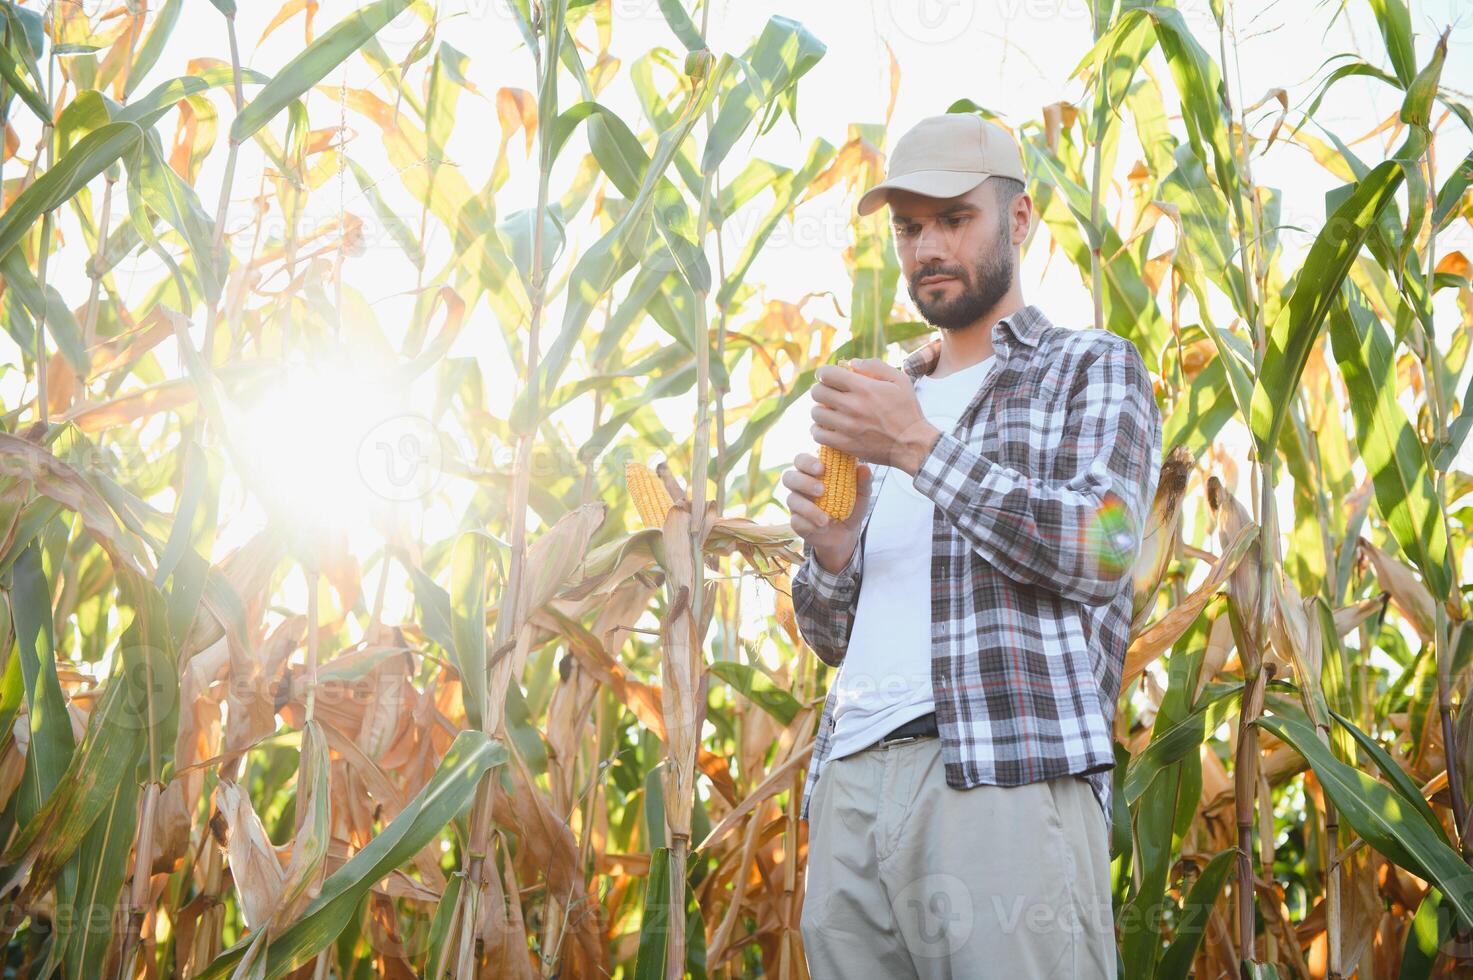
x,y
516,723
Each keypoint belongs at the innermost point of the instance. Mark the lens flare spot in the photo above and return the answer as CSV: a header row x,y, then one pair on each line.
x,y
1112,536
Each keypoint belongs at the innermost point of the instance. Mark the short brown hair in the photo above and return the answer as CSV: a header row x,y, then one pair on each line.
x,y
1006,189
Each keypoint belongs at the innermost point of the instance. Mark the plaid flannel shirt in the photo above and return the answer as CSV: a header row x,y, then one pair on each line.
x,y
1041,492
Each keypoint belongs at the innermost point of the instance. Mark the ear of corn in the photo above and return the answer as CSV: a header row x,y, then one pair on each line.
x,y
1158,538
839,483
651,498
839,479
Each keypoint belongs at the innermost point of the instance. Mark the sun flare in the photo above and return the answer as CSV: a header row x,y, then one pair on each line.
x,y
331,448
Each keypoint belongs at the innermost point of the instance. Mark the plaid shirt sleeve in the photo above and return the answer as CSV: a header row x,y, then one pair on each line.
x,y
824,603
1076,534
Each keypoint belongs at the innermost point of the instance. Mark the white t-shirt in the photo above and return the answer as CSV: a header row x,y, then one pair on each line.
x,y
885,678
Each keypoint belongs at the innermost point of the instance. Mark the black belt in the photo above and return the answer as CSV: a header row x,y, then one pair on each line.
x,y
912,730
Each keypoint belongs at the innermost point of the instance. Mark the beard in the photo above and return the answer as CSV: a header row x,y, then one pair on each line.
x,y
982,287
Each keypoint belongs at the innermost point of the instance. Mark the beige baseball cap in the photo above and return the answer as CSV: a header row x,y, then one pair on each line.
x,y
947,155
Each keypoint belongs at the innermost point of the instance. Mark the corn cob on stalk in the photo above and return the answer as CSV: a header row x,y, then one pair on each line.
x,y
839,480
1159,536
651,498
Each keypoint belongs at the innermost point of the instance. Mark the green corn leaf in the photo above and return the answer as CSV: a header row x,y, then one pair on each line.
x,y
432,809
1393,453
1400,781
783,53
1202,411
10,71
81,116
518,231
313,65
613,255
12,685
104,855
441,952
387,215
757,176
1394,21
93,154
1158,815
1197,80
468,621
874,270
1174,744
27,29
149,676
160,100
1457,432
758,688
177,204
1388,822
1450,197
685,29
1334,670
630,311
1204,219
51,747
51,744
153,44
624,161
134,705
141,220
1316,291
654,929
1354,69
434,605
1191,926
61,325
1431,927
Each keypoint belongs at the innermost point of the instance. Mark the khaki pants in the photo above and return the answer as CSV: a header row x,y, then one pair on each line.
x,y
908,877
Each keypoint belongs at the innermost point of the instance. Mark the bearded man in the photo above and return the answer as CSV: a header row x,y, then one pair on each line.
x,y
976,603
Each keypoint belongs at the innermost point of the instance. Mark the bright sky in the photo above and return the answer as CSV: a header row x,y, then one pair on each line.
x,y
1013,56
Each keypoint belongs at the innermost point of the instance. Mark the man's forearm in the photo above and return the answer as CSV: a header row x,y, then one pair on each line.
x,y
824,601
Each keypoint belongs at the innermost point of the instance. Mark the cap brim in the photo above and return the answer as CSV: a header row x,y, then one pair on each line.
x,y
931,183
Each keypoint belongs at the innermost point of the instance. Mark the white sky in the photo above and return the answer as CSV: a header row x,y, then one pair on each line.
x,y
1013,56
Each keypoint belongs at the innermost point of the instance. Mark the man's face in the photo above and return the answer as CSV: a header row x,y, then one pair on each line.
x,y
957,252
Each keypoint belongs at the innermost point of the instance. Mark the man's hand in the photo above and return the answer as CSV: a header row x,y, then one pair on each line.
x,y
833,541
871,412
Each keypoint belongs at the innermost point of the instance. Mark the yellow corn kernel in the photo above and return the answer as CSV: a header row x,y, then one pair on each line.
x,y
648,491
839,483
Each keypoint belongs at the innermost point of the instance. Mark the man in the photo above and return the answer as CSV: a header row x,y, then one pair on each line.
x,y
977,602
